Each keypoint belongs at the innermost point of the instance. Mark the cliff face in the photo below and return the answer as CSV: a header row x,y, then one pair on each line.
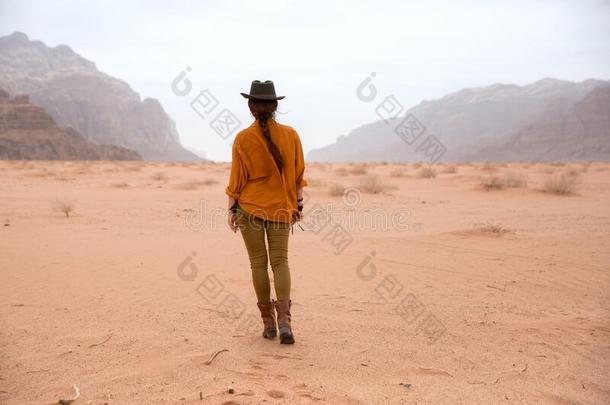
x,y
467,122
27,132
100,107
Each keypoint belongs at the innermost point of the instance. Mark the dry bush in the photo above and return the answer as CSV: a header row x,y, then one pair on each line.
x,y
358,170
492,183
427,172
514,180
494,229
373,185
133,167
42,174
508,180
336,190
194,185
121,184
341,171
488,167
573,171
159,176
561,185
450,169
65,208
417,165
398,173
558,164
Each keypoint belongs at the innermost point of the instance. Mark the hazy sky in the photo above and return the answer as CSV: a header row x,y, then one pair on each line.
x,y
317,52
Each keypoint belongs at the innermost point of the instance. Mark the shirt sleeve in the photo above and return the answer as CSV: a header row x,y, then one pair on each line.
x,y
239,175
299,164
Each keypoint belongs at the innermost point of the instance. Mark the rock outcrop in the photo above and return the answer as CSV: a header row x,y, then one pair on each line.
x,y
28,132
100,107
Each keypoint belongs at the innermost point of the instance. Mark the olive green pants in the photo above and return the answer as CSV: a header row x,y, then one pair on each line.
x,y
254,230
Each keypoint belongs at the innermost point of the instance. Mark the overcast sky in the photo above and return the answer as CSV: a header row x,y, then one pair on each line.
x,y
318,52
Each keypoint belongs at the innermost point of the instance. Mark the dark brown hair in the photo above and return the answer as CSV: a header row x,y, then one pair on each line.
x,y
263,110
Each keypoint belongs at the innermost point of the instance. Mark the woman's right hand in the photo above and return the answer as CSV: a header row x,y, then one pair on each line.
x,y
232,221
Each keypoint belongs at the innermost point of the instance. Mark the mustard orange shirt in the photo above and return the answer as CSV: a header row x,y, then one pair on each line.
x,y
255,180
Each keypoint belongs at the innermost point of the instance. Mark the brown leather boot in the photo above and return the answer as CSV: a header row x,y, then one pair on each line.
x,y
283,321
268,315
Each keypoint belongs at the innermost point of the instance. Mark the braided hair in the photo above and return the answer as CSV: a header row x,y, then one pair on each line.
x,y
263,110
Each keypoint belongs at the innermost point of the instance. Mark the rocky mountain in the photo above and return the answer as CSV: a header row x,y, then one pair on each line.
x,y
466,123
28,132
579,132
100,107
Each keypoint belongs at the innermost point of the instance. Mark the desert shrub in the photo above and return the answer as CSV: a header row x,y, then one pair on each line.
x,y
358,170
427,172
341,171
336,190
194,185
562,185
492,183
133,167
514,180
159,176
42,174
373,185
417,165
65,208
488,167
398,173
576,171
495,229
548,170
450,169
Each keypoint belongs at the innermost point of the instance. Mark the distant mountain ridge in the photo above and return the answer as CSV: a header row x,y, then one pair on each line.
x,y
28,132
470,123
575,133
76,94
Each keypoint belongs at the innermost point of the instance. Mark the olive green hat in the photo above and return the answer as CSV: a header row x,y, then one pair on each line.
x,y
262,91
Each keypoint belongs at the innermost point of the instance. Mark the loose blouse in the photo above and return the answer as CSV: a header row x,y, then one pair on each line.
x,y
260,188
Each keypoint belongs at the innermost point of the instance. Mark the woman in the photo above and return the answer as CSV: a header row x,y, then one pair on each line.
x,y
265,198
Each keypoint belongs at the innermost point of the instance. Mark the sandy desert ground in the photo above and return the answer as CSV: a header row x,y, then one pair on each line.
x,y
406,289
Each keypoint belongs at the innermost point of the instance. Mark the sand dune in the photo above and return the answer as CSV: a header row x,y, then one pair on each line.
x,y
408,288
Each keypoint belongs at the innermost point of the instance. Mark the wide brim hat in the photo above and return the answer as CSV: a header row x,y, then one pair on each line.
x,y
262,91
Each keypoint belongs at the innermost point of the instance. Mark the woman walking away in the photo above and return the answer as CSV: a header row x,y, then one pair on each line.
x,y
265,199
